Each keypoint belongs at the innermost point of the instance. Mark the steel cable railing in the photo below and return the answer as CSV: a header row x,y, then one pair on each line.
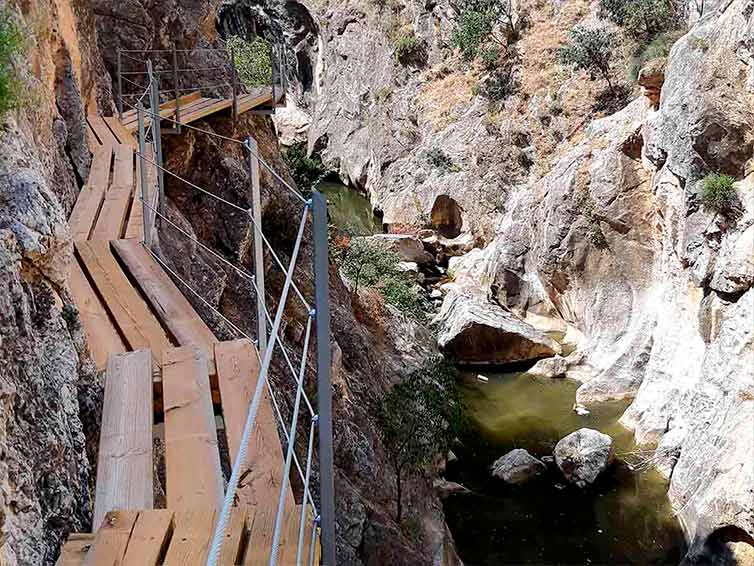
x,y
155,220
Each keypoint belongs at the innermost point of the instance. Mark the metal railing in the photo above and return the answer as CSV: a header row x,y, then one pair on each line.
x,y
268,325
132,76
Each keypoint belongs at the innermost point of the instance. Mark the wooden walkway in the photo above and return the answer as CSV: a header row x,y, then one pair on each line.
x,y
194,106
166,375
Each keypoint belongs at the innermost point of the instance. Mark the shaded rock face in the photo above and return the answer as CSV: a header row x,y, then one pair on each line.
x,y
445,216
583,455
517,467
49,395
408,248
557,366
477,332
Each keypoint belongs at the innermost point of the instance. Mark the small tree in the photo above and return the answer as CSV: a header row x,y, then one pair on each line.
x,y
252,59
420,417
718,192
590,49
367,262
307,170
640,18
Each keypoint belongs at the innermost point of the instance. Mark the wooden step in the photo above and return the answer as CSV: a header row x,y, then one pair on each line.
x,y
171,306
124,463
101,334
104,135
237,373
182,538
123,166
113,215
120,132
134,320
192,461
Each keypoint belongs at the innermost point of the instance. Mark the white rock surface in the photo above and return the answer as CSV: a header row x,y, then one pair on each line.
x,y
517,467
583,455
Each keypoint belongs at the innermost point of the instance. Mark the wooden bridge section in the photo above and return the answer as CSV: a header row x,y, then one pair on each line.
x,y
167,377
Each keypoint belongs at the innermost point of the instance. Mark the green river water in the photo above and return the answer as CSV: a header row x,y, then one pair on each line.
x,y
624,518
349,209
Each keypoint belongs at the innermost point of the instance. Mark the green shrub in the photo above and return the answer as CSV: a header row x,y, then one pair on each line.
x,y
591,49
400,293
410,48
718,193
500,83
12,44
252,60
640,18
491,56
474,27
658,48
366,262
307,171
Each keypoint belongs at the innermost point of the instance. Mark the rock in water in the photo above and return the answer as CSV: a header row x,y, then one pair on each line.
x,y
517,467
445,488
476,331
550,367
408,248
583,455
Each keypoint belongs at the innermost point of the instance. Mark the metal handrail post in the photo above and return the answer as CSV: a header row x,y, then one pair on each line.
x,y
147,240
324,387
154,102
119,79
234,80
177,91
256,211
272,74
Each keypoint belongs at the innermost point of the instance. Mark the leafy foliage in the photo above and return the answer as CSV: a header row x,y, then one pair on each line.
x,y
718,193
657,48
252,60
476,26
12,44
591,49
420,417
410,48
500,83
307,171
438,159
639,18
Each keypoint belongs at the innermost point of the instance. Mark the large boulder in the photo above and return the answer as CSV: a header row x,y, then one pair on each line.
x,y
517,467
408,248
557,366
475,331
583,455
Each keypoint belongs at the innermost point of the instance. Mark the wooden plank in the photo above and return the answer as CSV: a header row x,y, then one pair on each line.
x,y
237,373
85,211
112,539
149,540
113,214
101,335
191,539
104,134
123,166
171,306
256,98
135,222
237,525
131,314
167,109
120,132
192,460
124,462
195,115
260,537
75,549
288,546
99,172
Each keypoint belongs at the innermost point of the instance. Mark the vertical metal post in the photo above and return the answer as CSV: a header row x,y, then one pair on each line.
x,y
256,216
143,194
120,87
272,74
154,102
234,80
324,388
177,91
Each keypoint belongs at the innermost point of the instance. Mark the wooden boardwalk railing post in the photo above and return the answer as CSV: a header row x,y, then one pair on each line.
x,y
143,182
256,218
177,91
234,81
120,87
154,100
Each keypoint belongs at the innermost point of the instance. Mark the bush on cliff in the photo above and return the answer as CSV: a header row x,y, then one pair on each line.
x,y
11,46
252,59
718,193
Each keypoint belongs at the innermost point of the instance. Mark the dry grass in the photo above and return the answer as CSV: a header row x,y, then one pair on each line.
x,y
440,97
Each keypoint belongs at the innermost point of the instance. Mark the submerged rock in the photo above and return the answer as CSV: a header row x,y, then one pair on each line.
x,y
583,455
517,467
550,367
475,331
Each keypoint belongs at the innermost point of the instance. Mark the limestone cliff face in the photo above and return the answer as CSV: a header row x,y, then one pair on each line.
x,y
599,224
48,389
